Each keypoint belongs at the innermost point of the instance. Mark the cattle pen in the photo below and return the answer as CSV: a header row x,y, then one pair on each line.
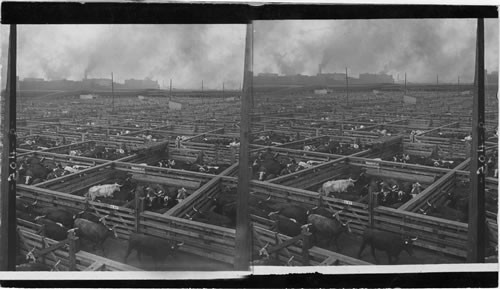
x,y
162,185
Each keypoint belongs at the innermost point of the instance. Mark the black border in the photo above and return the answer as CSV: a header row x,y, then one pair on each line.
x,y
412,280
163,13
160,13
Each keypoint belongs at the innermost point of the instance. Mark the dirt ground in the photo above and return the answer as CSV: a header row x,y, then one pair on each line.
x,y
349,243
115,249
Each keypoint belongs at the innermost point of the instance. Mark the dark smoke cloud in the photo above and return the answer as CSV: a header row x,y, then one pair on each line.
x,y
214,53
186,53
422,48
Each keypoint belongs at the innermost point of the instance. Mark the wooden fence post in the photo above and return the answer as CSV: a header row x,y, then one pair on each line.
x,y
306,243
72,250
233,155
372,202
216,153
43,244
42,233
139,206
277,253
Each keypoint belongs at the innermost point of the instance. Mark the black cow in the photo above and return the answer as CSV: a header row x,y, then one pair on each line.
x,y
222,200
268,169
391,243
99,151
294,212
94,232
214,218
23,205
322,212
330,147
35,171
53,230
328,229
55,214
25,216
285,225
446,212
33,267
159,249
88,216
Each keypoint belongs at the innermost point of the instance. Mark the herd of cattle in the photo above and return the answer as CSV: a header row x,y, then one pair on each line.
x,y
325,225
291,220
214,169
389,192
267,165
57,223
34,170
335,147
456,205
40,143
273,138
432,161
92,150
121,190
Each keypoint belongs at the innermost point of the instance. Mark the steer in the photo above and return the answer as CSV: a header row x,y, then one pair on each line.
x,y
446,213
103,191
337,186
269,169
214,218
391,243
328,228
295,212
36,171
25,216
287,226
96,233
323,212
89,216
159,249
56,215
33,267
53,230
23,205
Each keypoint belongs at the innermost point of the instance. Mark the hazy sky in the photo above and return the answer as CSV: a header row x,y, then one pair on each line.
x,y
214,53
186,53
422,48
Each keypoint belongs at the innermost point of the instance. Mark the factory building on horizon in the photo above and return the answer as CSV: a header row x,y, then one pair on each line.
x,y
320,79
375,78
141,83
34,83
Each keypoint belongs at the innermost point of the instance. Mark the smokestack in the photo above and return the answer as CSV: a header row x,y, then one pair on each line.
x,y
319,69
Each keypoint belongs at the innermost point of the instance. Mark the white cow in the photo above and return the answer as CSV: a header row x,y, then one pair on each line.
x,y
337,186
103,191
305,165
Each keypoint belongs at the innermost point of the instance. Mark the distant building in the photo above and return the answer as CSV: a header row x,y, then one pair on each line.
x,y
375,78
33,79
141,84
491,78
332,76
265,74
321,79
88,96
97,82
174,105
322,91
